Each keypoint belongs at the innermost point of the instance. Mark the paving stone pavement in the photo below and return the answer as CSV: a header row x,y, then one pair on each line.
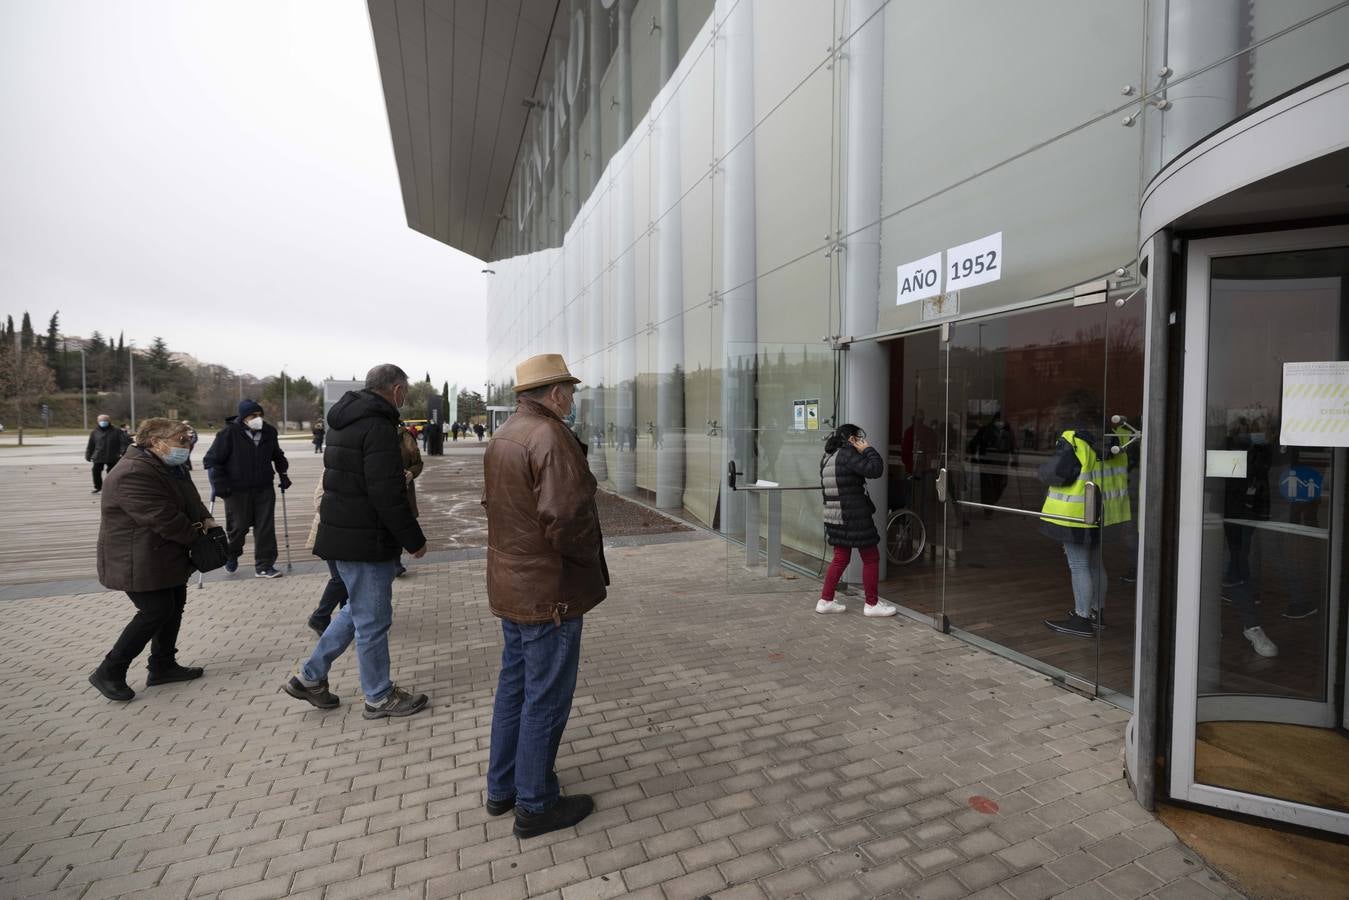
x,y
737,746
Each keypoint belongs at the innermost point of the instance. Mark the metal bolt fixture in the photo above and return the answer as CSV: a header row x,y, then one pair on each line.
x,y
1164,72
1127,90
1162,103
1128,121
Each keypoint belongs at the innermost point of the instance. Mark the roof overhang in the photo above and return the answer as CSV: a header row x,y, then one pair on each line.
x,y
457,76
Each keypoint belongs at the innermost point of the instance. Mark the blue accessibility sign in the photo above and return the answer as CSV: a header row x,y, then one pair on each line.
x,y
1300,484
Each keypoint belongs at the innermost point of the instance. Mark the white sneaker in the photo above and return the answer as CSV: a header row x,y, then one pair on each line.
x,y
830,606
1260,641
880,608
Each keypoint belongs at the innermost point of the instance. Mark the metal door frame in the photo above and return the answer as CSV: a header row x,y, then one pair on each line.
x,y
1185,700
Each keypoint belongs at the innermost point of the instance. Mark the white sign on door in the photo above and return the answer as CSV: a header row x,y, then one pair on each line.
x,y
977,262
918,280
1315,404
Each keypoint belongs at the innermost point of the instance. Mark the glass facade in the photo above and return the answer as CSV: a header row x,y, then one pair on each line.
x,y
697,279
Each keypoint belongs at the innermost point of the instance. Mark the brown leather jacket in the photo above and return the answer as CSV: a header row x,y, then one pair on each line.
x,y
545,553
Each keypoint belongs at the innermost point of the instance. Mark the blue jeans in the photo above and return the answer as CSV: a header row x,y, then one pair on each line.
x,y
1088,578
533,702
366,618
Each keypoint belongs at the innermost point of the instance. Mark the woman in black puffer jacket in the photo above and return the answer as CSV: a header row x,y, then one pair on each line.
x,y
847,463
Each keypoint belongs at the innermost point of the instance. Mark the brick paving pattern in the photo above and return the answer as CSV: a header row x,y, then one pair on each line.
x,y
737,746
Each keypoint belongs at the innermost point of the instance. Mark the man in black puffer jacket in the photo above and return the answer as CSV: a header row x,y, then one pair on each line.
x,y
240,464
365,521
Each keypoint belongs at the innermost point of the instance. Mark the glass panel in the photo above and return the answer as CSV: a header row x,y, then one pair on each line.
x,y
1016,384
1220,74
974,159
913,458
1271,599
784,448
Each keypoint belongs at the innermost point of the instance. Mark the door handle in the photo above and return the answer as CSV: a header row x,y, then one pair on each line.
x,y
941,485
1091,503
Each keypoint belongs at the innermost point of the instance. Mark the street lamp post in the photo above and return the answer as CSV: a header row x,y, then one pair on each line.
x,y
285,405
84,390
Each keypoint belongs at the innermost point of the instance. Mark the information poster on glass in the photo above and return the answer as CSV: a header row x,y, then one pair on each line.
x,y
1315,404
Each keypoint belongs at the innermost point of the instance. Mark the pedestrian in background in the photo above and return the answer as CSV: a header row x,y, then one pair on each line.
x,y
364,523
412,468
317,432
545,571
334,594
151,515
241,462
479,431
454,431
103,450
849,517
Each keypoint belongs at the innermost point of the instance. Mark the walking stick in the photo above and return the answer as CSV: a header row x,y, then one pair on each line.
x,y
201,576
285,525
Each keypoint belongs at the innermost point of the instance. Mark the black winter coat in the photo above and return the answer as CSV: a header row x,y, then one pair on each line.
x,y
106,445
237,464
364,515
848,510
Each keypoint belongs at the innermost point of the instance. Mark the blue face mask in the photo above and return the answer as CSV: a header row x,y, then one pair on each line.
x,y
177,456
104,424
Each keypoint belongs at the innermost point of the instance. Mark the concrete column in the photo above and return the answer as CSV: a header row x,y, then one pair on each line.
x,y
575,55
598,16
1199,32
739,297
669,280
623,469
595,261
866,365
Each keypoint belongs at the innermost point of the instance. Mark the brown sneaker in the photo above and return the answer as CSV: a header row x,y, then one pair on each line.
x,y
318,695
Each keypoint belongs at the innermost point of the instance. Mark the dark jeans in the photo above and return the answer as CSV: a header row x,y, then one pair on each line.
x,y
99,469
334,597
256,509
158,617
533,702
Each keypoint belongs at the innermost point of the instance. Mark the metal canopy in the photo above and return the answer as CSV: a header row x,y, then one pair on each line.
x,y
456,76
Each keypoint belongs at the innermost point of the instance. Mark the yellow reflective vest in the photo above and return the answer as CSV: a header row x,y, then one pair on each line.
x,y
1111,477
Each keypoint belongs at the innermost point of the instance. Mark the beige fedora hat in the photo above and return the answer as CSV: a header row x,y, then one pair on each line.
x,y
546,368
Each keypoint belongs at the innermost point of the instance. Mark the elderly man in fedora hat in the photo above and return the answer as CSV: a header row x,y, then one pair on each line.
x,y
545,571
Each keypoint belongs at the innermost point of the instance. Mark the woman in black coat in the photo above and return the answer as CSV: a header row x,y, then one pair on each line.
x,y
151,515
848,516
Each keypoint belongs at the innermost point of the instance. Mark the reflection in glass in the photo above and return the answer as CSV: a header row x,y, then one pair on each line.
x,y
1270,599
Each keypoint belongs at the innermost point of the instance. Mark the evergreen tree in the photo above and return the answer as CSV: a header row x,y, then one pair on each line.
x,y
26,333
53,342
9,329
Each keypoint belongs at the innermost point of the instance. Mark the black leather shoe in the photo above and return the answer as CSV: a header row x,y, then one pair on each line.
x,y
499,807
566,812
173,673
110,687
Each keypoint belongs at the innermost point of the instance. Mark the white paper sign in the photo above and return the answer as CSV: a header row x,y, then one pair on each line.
x,y
1225,464
977,262
918,280
1315,404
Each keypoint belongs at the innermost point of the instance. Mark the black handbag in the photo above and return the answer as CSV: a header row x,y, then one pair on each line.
x,y
210,550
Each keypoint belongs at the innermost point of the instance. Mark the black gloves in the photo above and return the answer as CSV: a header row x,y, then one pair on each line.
x,y
223,490
285,482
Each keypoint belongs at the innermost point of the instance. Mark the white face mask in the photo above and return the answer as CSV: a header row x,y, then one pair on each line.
x,y
255,424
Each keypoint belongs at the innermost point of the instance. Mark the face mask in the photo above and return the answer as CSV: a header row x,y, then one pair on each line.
x,y
254,424
104,424
177,456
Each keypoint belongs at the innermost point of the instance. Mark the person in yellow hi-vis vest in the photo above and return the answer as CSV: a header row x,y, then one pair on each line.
x,y
1080,456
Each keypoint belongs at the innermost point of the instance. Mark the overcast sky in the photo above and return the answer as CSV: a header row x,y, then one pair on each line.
x,y
219,173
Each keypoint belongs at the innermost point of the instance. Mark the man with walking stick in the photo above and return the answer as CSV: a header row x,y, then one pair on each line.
x,y
240,464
